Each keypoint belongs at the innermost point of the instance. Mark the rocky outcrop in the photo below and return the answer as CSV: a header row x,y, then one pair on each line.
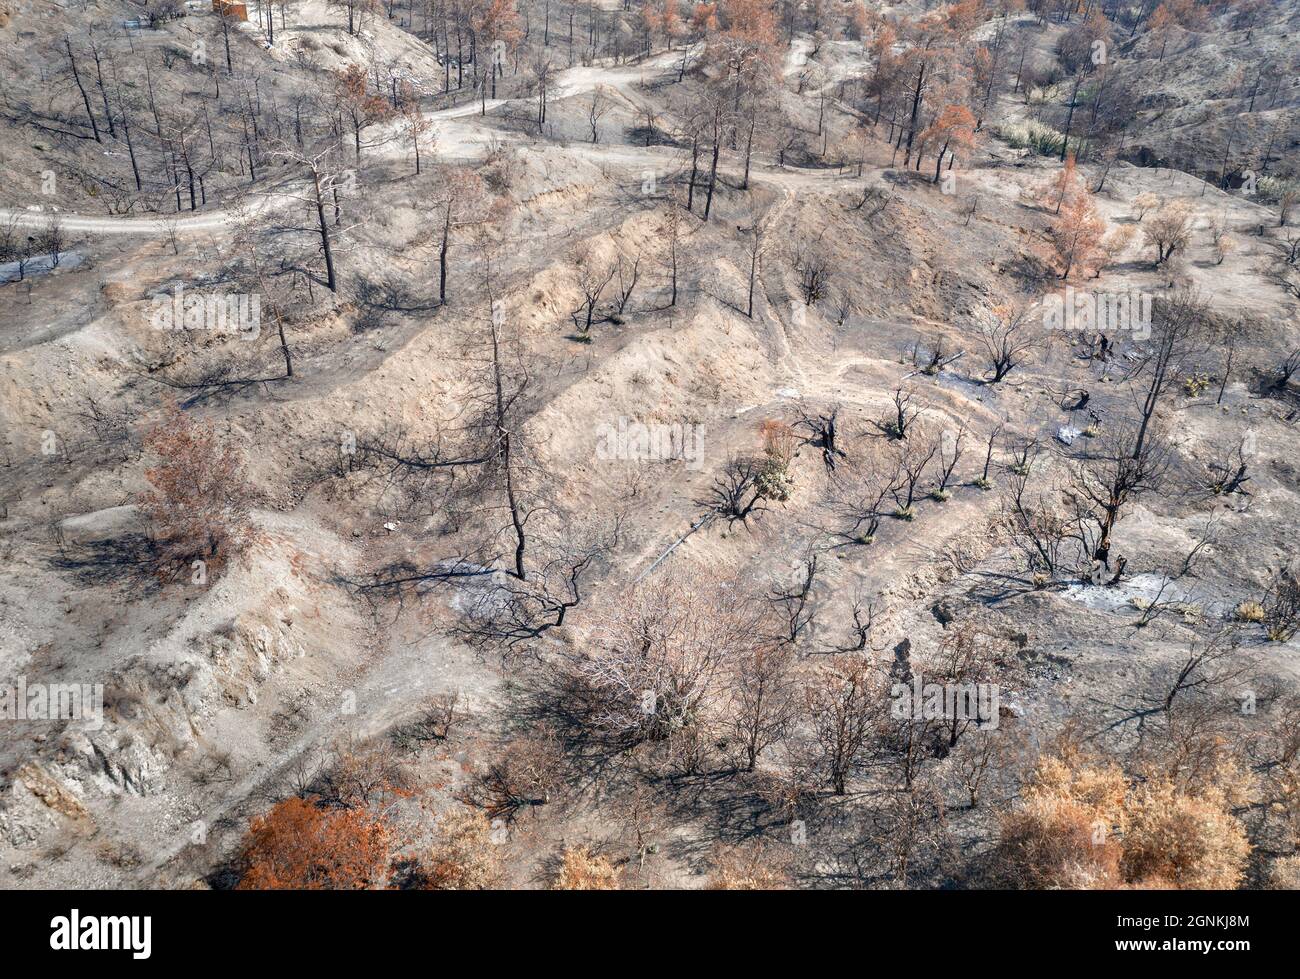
x,y
35,802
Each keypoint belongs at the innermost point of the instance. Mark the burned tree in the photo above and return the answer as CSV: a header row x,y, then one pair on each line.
x,y
1006,341
898,424
822,428
792,604
1123,464
324,178
763,703
951,445
914,457
1182,326
855,498
736,492
463,199
843,700
591,276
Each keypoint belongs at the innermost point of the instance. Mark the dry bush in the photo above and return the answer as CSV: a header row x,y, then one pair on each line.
x,y
779,444
464,858
976,759
1250,611
435,721
643,820
1182,840
1223,245
779,441
124,856
748,868
815,267
198,500
361,774
1197,750
1275,752
790,789
214,765
1063,835
580,871
844,700
291,716
911,825
1082,825
1284,874
526,773
655,663
439,715
300,846
1282,606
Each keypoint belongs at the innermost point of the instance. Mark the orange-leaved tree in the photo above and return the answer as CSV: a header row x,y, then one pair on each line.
x,y
1078,229
300,846
1159,25
1065,184
953,130
498,29
361,108
1077,234
197,500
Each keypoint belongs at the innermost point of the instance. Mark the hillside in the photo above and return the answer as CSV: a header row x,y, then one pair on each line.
x,y
573,429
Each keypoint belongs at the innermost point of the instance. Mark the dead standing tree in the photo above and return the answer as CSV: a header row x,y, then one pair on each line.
x,y
1006,341
951,448
485,463
1182,327
591,276
792,604
324,179
463,199
822,428
914,457
756,243
268,282
597,109
502,425
1125,463
75,73
898,424
855,500
736,492
514,612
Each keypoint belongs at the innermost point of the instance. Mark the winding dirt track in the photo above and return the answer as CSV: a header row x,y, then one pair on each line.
x,y
460,136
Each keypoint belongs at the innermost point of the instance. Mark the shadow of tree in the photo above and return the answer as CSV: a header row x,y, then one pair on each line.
x,y
131,560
